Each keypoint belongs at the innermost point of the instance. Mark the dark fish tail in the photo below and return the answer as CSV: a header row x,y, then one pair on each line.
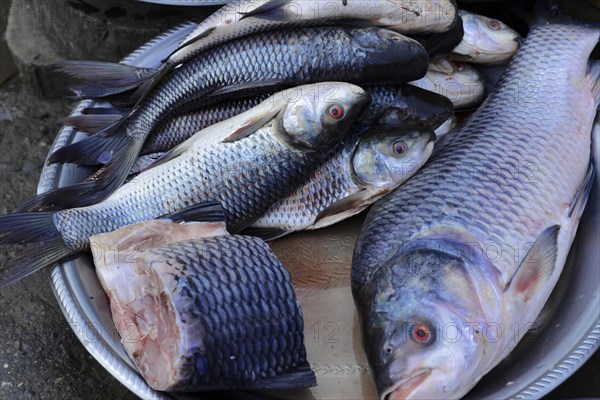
x,y
97,79
43,243
92,123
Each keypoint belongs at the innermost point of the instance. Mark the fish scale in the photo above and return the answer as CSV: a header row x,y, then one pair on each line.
x,y
536,107
249,333
167,188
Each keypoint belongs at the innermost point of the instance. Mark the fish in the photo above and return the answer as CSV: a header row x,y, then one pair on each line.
x,y
459,82
485,41
194,324
440,44
243,164
240,19
391,105
261,63
448,126
448,271
363,168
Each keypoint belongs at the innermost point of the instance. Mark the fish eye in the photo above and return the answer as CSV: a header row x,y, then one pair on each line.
x,y
421,334
400,147
494,24
336,112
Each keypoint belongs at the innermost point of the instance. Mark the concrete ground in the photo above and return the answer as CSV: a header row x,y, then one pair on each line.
x,y
40,357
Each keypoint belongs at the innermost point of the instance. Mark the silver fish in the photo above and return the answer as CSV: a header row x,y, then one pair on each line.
x,y
485,41
362,169
449,271
459,82
243,18
192,324
245,164
256,64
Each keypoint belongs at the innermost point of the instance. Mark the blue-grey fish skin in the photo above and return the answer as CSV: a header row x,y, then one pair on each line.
x,y
242,322
282,59
245,181
507,177
391,105
180,128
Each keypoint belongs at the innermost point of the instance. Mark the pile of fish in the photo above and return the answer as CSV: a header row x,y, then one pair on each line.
x,y
276,116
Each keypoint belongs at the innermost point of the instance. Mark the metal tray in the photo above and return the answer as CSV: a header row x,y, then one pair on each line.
x,y
320,264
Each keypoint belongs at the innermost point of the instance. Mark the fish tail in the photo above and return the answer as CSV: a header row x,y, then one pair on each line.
x,y
97,79
43,244
92,123
123,152
94,150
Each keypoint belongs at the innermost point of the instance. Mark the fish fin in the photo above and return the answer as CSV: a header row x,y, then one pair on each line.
x,y
91,123
344,208
170,155
538,265
61,198
106,111
594,75
210,211
302,377
94,150
199,36
266,234
99,79
247,86
250,126
103,184
43,244
271,11
581,197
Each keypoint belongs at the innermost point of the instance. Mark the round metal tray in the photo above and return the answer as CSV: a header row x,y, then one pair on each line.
x,y
568,338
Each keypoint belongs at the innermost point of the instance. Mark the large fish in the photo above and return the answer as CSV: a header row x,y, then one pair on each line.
x,y
198,309
450,270
459,82
242,18
485,40
391,105
257,64
245,163
362,169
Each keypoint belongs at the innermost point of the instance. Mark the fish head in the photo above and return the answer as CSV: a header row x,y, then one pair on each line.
x,y
417,108
386,157
320,114
486,40
383,50
421,329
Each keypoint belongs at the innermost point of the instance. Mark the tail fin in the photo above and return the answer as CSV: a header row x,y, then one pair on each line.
x,y
96,79
43,243
92,123
94,150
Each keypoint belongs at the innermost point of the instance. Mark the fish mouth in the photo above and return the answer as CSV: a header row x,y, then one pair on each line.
x,y
404,387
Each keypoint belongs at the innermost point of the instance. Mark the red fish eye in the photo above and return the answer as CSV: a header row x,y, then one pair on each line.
x,y
421,334
336,112
494,24
400,147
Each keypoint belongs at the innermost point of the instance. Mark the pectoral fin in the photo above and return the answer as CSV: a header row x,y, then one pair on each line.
x,y
251,125
538,265
344,208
